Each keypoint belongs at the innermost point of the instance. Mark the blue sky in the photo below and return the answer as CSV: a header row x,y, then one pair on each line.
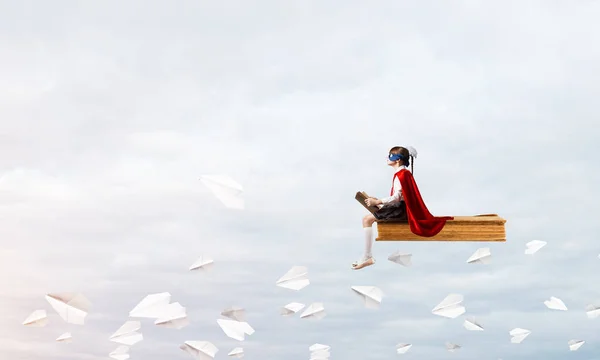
x,y
110,111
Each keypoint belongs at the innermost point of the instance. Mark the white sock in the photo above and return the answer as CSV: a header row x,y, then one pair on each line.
x,y
368,241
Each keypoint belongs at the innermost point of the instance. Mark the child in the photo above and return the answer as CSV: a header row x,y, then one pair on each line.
x,y
394,207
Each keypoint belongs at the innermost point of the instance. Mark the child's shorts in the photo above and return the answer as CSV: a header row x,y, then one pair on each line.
x,y
393,211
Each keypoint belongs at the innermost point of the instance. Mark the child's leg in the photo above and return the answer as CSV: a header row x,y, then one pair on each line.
x,y
367,260
367,222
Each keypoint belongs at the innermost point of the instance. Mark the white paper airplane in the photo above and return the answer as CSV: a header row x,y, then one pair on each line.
x,y
238,352
592,311
518,335
314,311
370,295
120,353
227,190
38,318
534,246
481,256
450,307
403,348
65,338
452,347
235,313
319,351
295,279
574,345
152,306
201,350
235,329
555,304
127,334
72,307
291,308
173,316
401,258
472,325
203,263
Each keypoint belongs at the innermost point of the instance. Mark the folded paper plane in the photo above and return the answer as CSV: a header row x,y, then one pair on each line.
x,y
65,338
555,304
38,318
200,350
238,352
370,295
203,263
534,246
291,308
295,279
128,334
403,348
472,325
235,329
481,256
319,351
152,306
592,311
120,353
518,335
401,258
450,307
452,347
314,311
574,345
227,190
72,307
234,313
173,316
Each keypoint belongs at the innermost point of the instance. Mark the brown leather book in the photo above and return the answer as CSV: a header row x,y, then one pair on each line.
x,y
361,197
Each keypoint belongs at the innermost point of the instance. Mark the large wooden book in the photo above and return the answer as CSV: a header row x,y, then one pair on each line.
x,y
488,227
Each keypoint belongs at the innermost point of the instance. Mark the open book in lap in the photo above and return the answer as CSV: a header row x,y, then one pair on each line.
x,y
361,197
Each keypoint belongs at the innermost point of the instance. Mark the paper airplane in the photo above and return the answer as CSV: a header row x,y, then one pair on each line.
x,y
227,190
574,345
72,307
534,246
238,352
235,329
173,317
555,304
235,313
403,348
400,258
152,306
291,308
319,351
38,318
295,279
127,334
450,307
472,325
452,347
370,295
314,311
592,311
481,256
65,338
203,263
518,335
200,350
120,353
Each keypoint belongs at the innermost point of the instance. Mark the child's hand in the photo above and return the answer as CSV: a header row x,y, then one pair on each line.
x,y
372,201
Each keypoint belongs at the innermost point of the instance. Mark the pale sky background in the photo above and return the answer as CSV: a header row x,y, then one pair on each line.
x,y
111,110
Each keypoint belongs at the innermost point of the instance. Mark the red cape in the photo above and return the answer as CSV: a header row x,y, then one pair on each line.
x,y
421,221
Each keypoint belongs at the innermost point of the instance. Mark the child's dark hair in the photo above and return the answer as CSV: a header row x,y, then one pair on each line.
x,y
406,156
